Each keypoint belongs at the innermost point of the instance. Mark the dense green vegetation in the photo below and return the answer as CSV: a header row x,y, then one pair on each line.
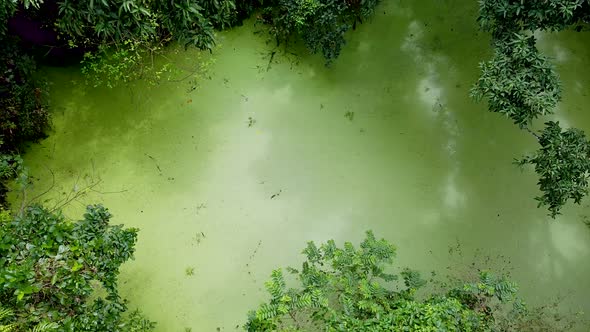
x,y
24,115
352,289
320,24
522,84
63,275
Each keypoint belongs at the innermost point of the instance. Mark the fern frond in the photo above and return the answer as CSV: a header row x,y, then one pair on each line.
x,y
5,313
304,300
267,311
8,328
45,327
312,252
276,285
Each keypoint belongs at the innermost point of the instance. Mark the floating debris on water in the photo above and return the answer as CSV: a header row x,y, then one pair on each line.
x,y
199,237
277,194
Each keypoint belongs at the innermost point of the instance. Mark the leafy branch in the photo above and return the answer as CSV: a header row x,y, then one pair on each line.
x,y
563,164
523,85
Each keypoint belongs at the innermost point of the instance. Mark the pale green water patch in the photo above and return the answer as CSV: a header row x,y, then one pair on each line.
x,y
385,139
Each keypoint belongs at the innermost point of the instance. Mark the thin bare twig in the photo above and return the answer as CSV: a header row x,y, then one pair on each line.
x,y
77,194
109,192
533,133
48,189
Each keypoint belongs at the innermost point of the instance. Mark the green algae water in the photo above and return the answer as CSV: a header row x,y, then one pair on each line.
x,y
229,181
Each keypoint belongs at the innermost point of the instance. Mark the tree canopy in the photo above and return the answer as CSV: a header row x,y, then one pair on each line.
x,y
321,24
562,164
523,85
518,82
505,16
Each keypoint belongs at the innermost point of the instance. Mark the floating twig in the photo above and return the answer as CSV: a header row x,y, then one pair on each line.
x,y
277,194
155,162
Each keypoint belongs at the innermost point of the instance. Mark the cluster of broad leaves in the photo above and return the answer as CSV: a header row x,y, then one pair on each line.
x,y
62,275
518,82
562,163
350,289
111,22
122,37
10,166
321,24
103,21
522,84
190,22
129,34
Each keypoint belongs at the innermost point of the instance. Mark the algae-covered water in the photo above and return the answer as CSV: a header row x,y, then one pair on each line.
x,y
230,180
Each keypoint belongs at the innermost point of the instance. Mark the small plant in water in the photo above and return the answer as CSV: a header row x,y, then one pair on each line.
x,y
251,121
189,271
188,329
349,115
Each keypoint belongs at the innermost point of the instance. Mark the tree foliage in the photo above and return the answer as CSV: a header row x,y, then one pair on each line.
x,y
522,84
115,21
24,115
23,111
518,82
562,163
127,35
321,24
108,22
350,289
507,16
51,269
121,37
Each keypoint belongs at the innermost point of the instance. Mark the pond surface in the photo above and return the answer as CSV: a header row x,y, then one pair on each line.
x,y
229,181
